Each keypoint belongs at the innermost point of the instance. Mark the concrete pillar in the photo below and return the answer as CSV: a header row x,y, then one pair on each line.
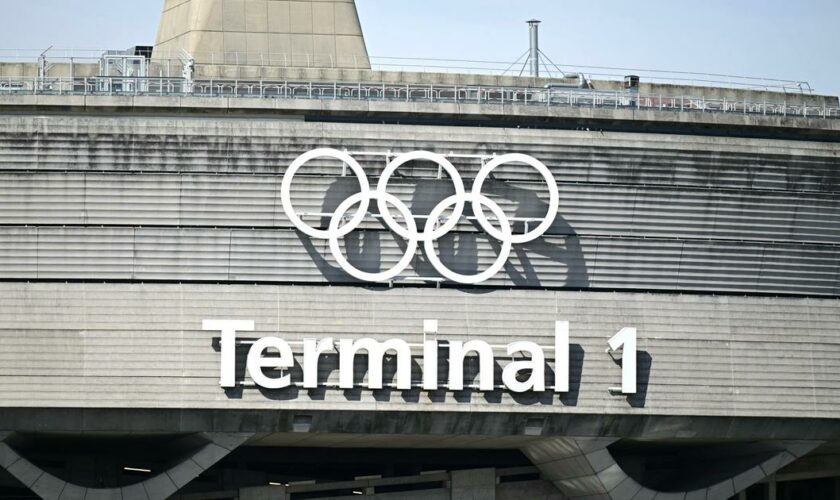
x,y
475,484
771,488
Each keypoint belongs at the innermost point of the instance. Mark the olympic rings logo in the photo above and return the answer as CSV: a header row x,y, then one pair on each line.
x,y
434,227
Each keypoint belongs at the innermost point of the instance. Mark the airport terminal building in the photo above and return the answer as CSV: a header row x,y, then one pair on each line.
x,y
244,265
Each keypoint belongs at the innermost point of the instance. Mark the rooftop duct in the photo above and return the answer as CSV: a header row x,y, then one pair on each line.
x,y
534,55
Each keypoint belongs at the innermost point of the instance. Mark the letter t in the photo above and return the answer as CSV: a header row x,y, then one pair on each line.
x,y
228,329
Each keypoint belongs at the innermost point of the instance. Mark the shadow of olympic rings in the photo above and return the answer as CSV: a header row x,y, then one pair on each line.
x,y
375,248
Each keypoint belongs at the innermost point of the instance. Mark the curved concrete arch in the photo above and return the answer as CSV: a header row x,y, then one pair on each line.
x,y
163,485
585,468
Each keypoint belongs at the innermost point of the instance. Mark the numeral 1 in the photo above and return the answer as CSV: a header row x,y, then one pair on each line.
x,y
626,339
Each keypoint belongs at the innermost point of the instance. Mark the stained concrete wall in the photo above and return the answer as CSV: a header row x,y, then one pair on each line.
x,y
133,196
142,346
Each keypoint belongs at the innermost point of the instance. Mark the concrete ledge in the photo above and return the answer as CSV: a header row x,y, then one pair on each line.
x,y
408,109
205,102
73,101
166,102
116,102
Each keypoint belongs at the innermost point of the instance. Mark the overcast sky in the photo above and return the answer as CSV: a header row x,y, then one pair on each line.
x,y
786,39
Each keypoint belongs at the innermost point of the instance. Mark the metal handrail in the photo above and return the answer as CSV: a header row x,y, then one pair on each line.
x,y
432,93
163,59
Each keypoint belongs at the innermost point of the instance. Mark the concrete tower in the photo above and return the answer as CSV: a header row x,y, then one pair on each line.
x,y
299,33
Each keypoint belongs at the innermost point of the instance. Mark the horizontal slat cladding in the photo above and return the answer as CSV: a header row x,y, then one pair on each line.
x,y
173,199
231,145
254,201
253,256
141,346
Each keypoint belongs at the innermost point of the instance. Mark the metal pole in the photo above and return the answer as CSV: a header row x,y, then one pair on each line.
x,y
534,29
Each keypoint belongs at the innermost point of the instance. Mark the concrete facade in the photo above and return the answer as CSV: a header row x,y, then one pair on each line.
x,y
699,355
756,216
126,221
299,33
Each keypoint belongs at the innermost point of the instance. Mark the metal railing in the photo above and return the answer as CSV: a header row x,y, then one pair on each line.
x,y
431,93
164,60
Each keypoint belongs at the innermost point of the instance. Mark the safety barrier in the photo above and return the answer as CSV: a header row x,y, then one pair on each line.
x,y
433,93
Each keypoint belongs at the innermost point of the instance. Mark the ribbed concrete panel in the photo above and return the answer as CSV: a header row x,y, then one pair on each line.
x,y
245,255
141,346
217,145
169,199
253,201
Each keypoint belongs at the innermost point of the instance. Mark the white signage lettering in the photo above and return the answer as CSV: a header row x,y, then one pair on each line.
x,y
626,341
256,362
376,352
524,372
535,363
458,351
228,329
312,350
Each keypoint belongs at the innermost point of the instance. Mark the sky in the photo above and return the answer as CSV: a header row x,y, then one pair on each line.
x,y
785,39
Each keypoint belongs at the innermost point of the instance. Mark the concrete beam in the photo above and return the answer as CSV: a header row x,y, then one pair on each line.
x,y
476,484
583,468
162,485
758,125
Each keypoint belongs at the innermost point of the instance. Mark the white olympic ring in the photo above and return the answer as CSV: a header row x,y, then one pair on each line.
x,y
286,192
506,239
553,203
334,235
459,193
433,229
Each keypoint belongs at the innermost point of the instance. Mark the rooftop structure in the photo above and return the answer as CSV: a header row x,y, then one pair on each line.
x,y
306,33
